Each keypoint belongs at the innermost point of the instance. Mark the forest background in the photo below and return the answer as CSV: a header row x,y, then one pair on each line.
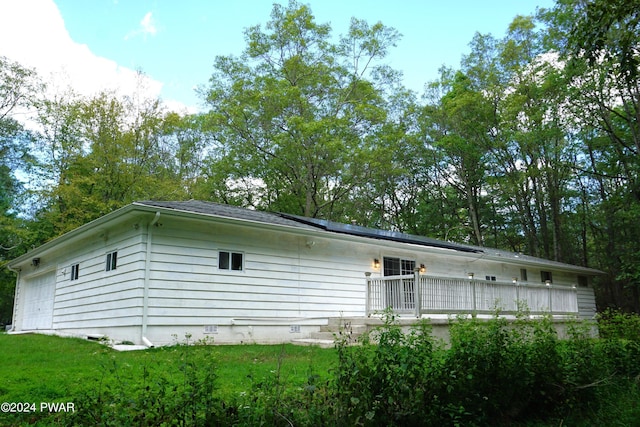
x,y
531,145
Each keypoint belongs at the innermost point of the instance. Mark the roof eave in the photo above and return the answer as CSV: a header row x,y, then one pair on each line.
x,y
311,232
70,236
543,263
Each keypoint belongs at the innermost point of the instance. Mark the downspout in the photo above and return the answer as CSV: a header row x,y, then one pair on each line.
x,y
15,298
145,291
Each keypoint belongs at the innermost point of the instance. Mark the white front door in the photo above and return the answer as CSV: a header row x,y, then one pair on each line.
x,y
37,306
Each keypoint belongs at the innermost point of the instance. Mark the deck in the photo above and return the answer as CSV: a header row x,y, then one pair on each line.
x,y
419,294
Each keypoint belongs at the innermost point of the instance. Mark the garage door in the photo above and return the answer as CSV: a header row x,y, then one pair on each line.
x,y
37,305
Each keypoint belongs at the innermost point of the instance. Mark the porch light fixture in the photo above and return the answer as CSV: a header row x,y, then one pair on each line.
x,y
423,269
548,282
470,276
35,262
376,263
514,280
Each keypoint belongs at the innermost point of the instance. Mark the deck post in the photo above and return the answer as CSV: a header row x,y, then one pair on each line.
x,y
417,293
548,283
368,294
472,284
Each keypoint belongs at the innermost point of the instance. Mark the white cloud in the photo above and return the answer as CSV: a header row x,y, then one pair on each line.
x,y
33,33
147,24
147,27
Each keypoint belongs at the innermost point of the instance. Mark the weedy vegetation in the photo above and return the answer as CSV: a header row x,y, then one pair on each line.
x,y
490,373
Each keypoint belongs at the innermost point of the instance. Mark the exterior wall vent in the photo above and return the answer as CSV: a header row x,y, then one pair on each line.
x,y
211,329
294,329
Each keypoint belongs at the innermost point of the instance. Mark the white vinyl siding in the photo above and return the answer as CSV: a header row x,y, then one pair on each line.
x,y
100,298
586,303
282,277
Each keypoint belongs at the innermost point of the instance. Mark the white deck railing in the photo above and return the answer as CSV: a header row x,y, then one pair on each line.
x,y
446,295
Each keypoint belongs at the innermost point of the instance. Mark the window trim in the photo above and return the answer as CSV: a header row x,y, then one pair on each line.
x,y
524,277
403,263
111,261
231,261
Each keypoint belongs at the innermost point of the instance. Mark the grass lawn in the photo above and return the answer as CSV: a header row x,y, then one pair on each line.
x,y
40,368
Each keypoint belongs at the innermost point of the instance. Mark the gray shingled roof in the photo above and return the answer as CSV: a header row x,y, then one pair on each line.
x,y
227,211
235,212
216,209
304,223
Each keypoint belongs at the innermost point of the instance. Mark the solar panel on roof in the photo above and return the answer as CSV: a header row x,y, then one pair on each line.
x,y
374,233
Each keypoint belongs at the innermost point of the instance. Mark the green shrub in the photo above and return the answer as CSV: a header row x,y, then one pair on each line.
x,y
387,378
149,395
274,401
613,324
620,343
500,372
494,372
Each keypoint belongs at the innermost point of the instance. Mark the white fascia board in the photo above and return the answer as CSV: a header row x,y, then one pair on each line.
x,y
71,236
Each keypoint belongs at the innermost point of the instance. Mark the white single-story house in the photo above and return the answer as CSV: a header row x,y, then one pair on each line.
x,y
151,271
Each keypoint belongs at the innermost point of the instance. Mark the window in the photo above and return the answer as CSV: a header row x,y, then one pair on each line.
x,y
230,260
583,281
523,275
546,276
112,261
75,271
398,266
490,278
399,294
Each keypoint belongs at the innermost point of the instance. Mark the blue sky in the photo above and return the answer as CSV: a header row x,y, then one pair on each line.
x,y
175,42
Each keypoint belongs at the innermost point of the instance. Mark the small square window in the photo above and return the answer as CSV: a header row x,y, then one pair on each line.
x,y
546,276
490,278
75,271
112,261
523,275
230,260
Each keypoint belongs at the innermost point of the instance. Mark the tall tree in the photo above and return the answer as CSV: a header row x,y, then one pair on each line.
x,y
599,41
458,125
102,153
19,92
296,116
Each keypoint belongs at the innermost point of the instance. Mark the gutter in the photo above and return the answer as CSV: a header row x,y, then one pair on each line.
x,y
145,292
